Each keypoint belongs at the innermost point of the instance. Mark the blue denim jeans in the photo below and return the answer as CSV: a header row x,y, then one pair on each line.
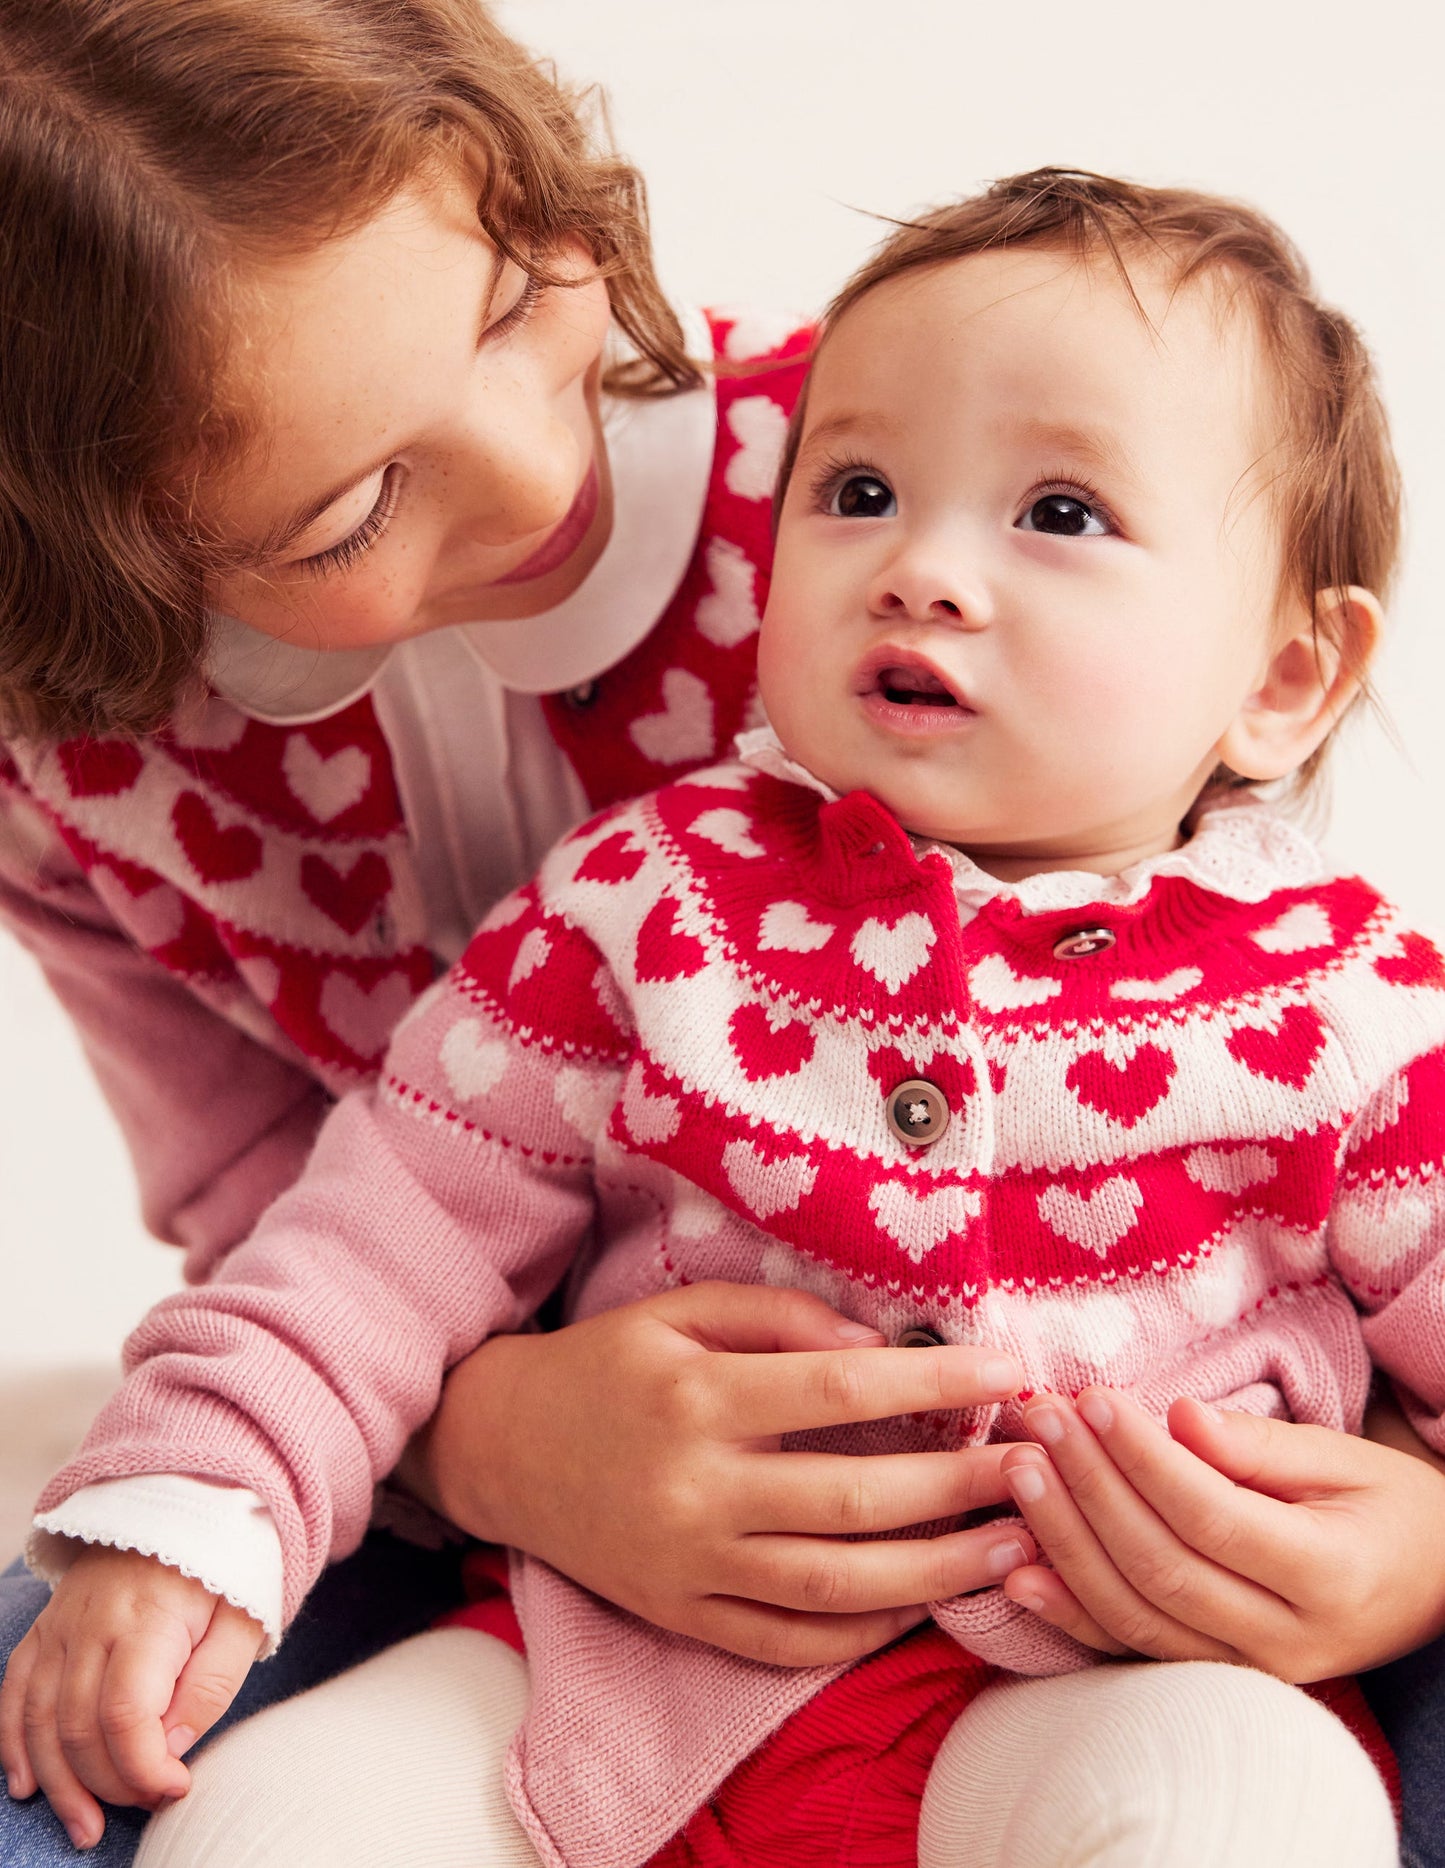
x,y
1408,1698
385,1592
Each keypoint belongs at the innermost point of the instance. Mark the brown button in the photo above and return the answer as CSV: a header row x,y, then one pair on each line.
x,y
1079,943
920,1336
917,1112
583,696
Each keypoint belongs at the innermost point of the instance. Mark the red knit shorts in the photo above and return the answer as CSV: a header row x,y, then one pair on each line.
x,y
839,1784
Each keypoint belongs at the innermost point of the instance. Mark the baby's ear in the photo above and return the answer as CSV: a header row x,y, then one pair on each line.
x,y
1314,673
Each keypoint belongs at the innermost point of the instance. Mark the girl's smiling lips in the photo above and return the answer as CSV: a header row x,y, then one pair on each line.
x,y
564,538
904,691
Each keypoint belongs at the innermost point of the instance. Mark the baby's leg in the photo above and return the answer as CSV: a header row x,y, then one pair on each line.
x,y
398,1761
1148,1765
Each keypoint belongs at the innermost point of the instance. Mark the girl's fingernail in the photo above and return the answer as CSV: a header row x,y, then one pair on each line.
x,y
1047,1423
1206,1407
1000,1377
1026,1599
855,1332
179,1740
1096,1411
1026,1483
1006,1556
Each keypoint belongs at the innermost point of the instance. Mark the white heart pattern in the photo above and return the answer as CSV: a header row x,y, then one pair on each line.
x,y
648,1118
917,1222
767,1187
533,952
473,1063
728,614
1299,928
326,786
213,725
1229,1170
363,1017
997,988
754,333
787,926
761,428
157,917
684,728
583,1097
263,976
893,953
1159,991
728,830
1089,1327
1095,1220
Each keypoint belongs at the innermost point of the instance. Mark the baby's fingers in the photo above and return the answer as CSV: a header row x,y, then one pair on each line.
x,y
135,1691
14,1758
212,1677
76,1808
1045,1594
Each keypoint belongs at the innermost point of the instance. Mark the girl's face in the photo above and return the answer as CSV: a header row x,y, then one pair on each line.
x,y
1026,584
426,445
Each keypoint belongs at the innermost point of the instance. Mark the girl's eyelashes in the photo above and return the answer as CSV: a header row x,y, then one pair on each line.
x,y
343,556
1067,509
520,310
853,490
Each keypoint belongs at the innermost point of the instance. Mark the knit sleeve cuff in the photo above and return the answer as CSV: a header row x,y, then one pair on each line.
x,y
221,1535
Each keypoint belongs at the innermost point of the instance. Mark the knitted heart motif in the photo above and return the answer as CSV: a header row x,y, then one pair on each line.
x,y
997,988
215,854
349,898
893,953
1159,991
326,784
1229,1170
99,768
767,1187
761,427
664,953
765,1049
1125,1092
533,950
615,859
729,830
684,728
648,1118
788,927
1298,929
728,614
1097,1219
157,917
1285,1055
363,1016
917,1222
954,1076
1417,963
473,1064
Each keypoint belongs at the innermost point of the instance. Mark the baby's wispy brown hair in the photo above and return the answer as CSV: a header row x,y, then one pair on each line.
x,y
1329,470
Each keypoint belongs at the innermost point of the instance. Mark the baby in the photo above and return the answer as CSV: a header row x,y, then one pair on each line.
x,y
984,994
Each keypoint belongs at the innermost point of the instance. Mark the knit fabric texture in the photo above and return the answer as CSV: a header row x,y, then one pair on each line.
x,y
1193,1147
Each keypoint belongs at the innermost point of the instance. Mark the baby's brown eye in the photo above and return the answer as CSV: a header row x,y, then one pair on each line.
x,y
1063,516
863,496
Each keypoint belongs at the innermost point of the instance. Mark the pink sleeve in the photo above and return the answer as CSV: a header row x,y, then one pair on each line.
x,y
216,1124
1387,1237
437,1209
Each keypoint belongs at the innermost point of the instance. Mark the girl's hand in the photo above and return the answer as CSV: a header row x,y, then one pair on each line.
x,y
638,1453
1293,1548
125,1667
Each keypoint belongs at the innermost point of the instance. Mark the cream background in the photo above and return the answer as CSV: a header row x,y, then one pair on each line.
x,y
764,129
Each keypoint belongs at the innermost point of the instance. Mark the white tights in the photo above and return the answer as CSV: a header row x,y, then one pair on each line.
x,y
398,1764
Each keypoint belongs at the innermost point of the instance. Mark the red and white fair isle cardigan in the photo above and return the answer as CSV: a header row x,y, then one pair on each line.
x,y
1196,1127
231,910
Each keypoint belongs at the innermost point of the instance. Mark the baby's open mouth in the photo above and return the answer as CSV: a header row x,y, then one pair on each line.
x,y
913,687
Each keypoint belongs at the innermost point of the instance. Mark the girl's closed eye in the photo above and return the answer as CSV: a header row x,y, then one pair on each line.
x,y
517,312
351,549
1067,510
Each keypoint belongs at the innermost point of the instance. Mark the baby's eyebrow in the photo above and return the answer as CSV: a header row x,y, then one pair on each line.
x,y
1097,446
852,422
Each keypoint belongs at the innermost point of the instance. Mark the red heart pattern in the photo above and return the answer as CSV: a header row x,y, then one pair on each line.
x,y
1418,963
216,854
351,897
663,951
1127,1091
615,859
768,1050
99,768
1285,1055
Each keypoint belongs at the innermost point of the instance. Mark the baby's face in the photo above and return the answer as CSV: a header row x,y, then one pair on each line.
x,y
1026,576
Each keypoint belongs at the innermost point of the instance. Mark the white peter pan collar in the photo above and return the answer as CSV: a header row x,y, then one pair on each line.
x,y
660,451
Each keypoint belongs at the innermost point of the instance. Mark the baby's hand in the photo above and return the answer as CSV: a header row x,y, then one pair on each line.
x,y
125,1667
1228,1537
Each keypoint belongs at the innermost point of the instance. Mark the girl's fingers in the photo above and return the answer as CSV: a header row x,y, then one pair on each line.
x,y
1239,1530
139,1680
826,1577
762,1398
757,1319
211,1678
77,1809
1045,1594
14,1757
1124,1613
788,1638
837,1494
1283,1460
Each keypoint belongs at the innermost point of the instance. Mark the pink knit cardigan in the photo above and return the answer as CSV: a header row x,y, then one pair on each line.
x,y
1194,1147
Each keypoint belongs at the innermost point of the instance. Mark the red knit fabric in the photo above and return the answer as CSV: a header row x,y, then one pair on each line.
x,y
840,1784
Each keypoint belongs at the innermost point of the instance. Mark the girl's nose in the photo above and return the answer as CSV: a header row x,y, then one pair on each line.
x,y
921,587
520,477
